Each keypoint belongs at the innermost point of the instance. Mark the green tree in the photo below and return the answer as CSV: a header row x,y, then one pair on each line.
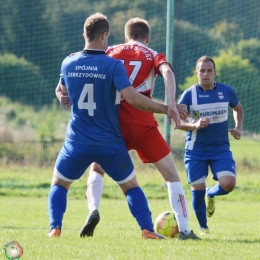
x,y
226,32
20,79
248,49
206,14
189,40
27,33
233,70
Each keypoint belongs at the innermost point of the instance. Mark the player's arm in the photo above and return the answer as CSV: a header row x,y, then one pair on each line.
x,y
189,124
169,83
141,102
238,115
62,95
170,88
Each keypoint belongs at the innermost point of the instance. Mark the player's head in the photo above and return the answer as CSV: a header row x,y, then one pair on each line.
x,y
96,27
137,29
206,71
206,59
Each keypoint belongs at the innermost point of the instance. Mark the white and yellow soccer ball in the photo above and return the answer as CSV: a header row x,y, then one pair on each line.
x,y
166,224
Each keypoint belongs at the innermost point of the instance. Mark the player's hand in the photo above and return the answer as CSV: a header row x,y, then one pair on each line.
x,y
63,98
65,101
182,109
173,113
202,123
236,133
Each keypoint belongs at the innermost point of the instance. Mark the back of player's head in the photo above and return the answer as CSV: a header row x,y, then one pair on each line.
x,y
95,26
206,59
137,28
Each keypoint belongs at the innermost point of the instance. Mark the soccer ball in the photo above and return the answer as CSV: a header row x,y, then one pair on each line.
x,y
166,224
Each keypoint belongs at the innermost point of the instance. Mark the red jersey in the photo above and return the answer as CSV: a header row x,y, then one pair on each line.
x,y
142,66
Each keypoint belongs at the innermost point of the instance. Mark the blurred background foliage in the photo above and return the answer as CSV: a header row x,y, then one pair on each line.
x,y
37,35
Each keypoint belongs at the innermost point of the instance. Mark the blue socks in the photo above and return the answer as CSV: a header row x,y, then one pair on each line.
x,y
199,207
57,202
139,208
136,199
216,191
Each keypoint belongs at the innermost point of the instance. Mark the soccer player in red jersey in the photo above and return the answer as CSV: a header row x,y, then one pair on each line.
x,y
139,128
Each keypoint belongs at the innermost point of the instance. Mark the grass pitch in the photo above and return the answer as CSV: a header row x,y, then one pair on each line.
x,y
24,218
233,232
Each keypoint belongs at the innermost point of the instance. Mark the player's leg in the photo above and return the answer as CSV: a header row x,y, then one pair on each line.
x,y
94,186
167,168
152,148
139,208
224,171
94,194
65,172
120,168
57,203
196,174
198,203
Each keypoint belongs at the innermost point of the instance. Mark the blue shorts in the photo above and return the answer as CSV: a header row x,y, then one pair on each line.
x,y
74,159
198,168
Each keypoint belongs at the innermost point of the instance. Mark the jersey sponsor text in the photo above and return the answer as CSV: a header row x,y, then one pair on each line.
x,y
86,75
83,67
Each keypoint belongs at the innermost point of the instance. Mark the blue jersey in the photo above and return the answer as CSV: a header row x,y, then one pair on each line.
x,y
93,82
211,104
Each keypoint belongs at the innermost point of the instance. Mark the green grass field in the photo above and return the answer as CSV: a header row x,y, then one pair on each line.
x,y
233,235
24,218
234,227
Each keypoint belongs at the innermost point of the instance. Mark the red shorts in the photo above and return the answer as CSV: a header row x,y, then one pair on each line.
x,y
146,140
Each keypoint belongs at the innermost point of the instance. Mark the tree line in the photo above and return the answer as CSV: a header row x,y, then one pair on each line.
x,y
37,35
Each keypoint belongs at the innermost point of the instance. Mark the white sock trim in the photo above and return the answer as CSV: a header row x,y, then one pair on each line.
x,y
179,205
94,190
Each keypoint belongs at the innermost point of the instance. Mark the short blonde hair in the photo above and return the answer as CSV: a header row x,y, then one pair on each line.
x,y
137,28
95,25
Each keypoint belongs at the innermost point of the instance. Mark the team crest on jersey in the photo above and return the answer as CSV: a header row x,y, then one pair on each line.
x,y
196,114
220,95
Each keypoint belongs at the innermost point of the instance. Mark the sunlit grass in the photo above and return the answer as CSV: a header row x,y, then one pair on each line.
x,y
24,191
233,232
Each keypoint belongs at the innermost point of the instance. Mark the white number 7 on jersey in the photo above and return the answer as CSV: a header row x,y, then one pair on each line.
x,y
137,66
90,105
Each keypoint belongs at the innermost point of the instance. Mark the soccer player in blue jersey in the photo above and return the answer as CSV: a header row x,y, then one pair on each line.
x,y
139,128
207,142
94,83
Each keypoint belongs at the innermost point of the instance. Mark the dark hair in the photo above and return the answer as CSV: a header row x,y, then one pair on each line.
x,y
95,25
137,28
206,59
